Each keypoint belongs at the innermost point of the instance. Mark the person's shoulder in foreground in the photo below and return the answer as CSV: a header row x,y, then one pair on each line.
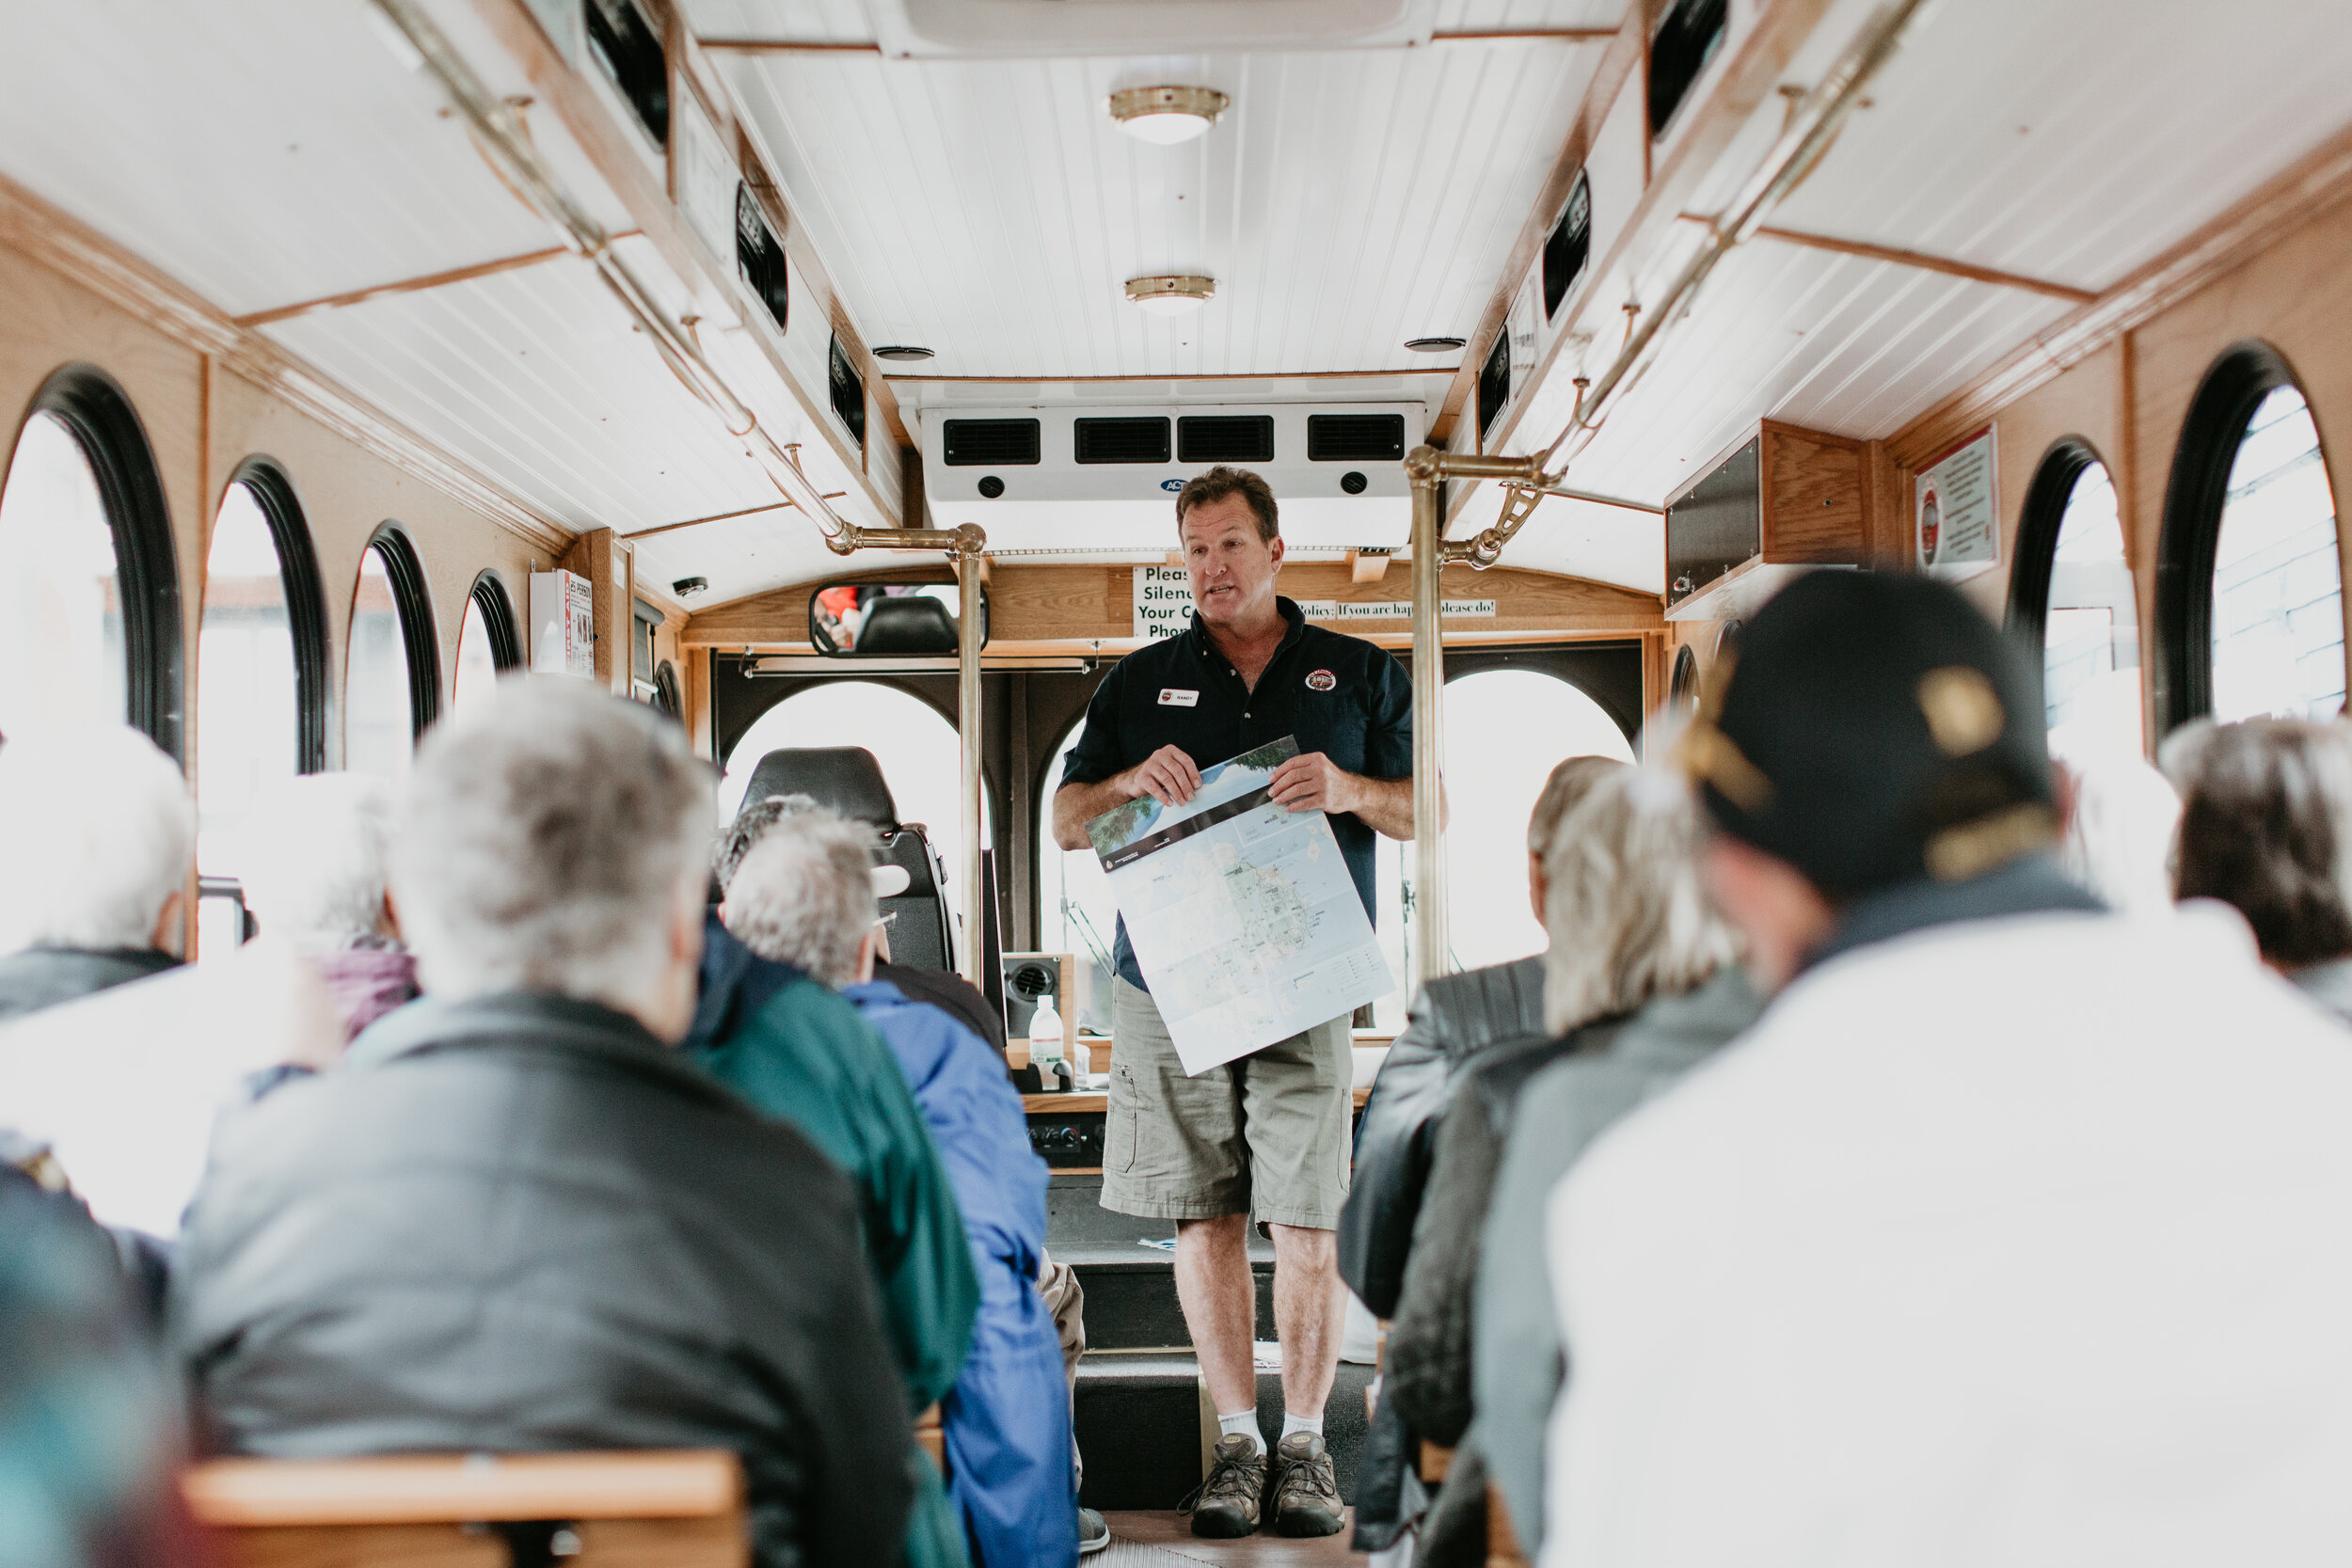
x,y
2001,1200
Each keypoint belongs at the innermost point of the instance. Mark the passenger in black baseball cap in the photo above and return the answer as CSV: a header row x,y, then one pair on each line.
x,y
1874,760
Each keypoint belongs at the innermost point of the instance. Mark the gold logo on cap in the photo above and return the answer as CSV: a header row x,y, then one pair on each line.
x,y
1973,848
1963,712
1708,755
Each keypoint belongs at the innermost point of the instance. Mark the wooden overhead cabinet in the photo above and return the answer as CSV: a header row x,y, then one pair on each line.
x,y
1780,501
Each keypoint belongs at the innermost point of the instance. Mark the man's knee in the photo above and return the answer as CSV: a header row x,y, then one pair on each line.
x,y
1218,1230
1305,1246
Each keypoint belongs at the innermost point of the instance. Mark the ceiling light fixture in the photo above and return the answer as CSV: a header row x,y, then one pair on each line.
x,y
1165,116
1433,345
905,353
1170,296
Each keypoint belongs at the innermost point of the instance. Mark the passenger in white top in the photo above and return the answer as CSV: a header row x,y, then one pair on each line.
x,y
2011,1234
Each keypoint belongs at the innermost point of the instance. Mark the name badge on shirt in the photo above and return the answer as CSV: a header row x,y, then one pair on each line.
x,y
1169,697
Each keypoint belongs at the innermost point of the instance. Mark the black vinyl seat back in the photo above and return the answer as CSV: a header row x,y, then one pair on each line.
x,y
908,625
846,778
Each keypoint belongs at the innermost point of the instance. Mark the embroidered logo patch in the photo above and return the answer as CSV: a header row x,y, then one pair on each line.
x,y
1169,697
1322,680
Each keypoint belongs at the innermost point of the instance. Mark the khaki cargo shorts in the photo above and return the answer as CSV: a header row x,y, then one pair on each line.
x,y
1266,1136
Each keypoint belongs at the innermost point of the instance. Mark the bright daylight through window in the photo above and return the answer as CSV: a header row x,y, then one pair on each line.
x,y
477,665
379,726
2090,680
60,596
2277,592
248,716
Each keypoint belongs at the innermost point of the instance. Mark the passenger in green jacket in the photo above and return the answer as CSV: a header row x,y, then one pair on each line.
x,y
801,1054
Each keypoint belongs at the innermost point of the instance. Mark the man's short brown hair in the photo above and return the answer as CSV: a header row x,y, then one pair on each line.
x,y
1221,481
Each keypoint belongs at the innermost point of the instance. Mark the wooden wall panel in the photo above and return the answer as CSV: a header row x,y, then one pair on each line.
x,y
1071,608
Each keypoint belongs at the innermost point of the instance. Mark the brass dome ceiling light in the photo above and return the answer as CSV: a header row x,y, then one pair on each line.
x,y
1170,296
1165,116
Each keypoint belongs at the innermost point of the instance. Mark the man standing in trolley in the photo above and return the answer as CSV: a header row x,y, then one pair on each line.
x,y
1266,1136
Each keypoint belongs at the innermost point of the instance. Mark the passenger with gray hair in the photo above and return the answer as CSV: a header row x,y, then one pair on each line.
x,y
97,842
803,895
516,1219
315,876
1629,925
783,1038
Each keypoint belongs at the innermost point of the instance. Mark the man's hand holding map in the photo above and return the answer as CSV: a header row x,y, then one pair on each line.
x,y
1241,912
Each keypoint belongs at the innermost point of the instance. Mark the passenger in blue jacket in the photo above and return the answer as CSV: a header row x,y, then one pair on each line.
x,y
803,895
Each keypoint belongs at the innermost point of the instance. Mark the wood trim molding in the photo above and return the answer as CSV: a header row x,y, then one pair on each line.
x,y
2319,180
42,234
1924,262
407,286
787,46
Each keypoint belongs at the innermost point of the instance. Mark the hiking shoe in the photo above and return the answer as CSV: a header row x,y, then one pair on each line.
x,y
1093,1534
1226,1505
1305,1488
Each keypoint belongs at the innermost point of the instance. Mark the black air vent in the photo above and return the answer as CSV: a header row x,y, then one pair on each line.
x,y
1354,438
759,257
1494,382
1225,439
848,394
1685,40
989,443
632,55
1142,440
1568,246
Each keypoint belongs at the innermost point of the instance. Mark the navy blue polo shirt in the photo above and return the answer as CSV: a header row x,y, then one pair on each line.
x,y
1338,695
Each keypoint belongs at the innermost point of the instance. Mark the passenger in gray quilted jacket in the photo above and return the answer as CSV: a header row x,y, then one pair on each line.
x,y
516,1218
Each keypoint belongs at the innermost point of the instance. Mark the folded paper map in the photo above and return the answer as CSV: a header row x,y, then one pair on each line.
x,y
1244,919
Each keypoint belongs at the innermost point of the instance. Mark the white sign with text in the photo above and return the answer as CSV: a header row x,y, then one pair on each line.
x,y
1164,605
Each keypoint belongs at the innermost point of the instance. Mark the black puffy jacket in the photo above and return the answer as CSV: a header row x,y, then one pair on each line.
x,y
1453,1020
521,1222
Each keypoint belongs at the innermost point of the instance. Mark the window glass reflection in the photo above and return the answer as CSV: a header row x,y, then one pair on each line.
x,y
2277,592
60,595
247,712
379,726
2090,675
477,666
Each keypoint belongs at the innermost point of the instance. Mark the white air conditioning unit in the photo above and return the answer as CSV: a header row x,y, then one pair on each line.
x,y
1074,478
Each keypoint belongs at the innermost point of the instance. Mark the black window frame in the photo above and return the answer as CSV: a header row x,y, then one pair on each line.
x,y
2026,619
99,413
488,593
1682,682
273,490
412,606
2196,493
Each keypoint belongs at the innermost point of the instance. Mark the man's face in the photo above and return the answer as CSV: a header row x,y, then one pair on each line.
x,y
1233,569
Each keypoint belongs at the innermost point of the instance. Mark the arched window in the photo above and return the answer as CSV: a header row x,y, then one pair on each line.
x,y
391,670
487,643
2249,598
918,749
2072,592
89,589
1682,687
260,669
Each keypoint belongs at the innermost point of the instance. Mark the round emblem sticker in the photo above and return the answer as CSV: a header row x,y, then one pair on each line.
x,y
1322,680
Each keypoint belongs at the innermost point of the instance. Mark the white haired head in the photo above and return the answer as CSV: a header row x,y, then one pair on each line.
x,y
97,834
2120,830
804,893
314,861
549,840
1627,916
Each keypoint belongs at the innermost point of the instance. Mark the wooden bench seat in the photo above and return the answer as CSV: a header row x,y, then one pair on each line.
x,y
681,1509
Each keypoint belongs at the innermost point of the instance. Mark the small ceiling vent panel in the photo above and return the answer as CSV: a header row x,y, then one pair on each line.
x,y
1226,437
1121,441
949,30
989,443
1098,480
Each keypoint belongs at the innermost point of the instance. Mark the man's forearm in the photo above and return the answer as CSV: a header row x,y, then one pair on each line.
x,y
1076,804
1387,806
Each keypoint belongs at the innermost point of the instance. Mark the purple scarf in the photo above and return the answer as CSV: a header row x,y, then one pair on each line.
x,y
366,983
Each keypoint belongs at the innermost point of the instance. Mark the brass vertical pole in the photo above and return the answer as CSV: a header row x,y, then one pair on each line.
x,y
968,733
1430,957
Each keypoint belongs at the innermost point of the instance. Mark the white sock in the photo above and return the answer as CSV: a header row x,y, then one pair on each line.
x,y
1302,1423
1242,1423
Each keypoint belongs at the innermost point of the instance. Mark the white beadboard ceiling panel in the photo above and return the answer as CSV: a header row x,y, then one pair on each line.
x,y
538,376
2076,142
744,556
991,210
263,153
847,21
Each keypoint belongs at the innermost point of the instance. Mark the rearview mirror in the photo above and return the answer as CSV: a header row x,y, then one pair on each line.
x,y
888,620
